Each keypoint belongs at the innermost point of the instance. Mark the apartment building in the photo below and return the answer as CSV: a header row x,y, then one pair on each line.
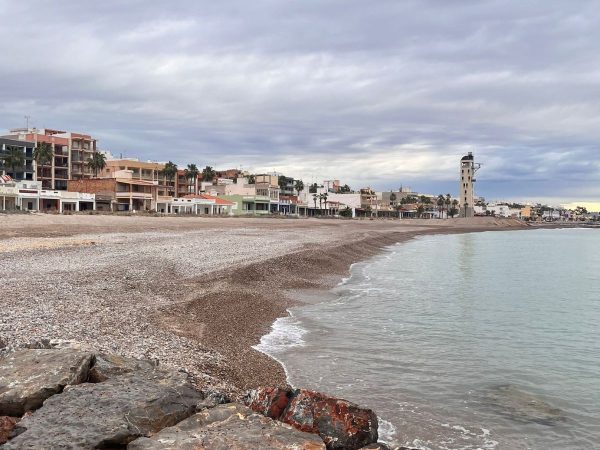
x,y
70,153
147,171
268,186
123,191
26,170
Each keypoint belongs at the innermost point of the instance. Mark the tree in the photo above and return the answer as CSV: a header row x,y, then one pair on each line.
x,y
299,186
324,195
345,189
420,210
315,200
448,202
320,203
312,189
96,162
42,154
208,173
169,172
425,200
346,212
191,174
14,158
454,209
251,179
440,203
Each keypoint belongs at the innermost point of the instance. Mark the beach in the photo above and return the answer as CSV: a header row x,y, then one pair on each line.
x,y
194,293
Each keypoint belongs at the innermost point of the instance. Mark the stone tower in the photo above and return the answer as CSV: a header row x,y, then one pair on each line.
x,y
467,181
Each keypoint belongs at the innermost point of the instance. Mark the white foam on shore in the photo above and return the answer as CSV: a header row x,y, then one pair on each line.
x,y
387,431
285,333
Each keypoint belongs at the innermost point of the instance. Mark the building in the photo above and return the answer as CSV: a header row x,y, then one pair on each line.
x,y
201,204
468,167
149,171
122,192
26,171
29,196
268,186
70,153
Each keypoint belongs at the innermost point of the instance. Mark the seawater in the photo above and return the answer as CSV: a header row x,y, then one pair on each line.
x,y
470,341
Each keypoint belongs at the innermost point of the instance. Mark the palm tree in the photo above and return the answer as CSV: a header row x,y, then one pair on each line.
x,y
97,162
454,207
14,158
43,154
315,196
191,174
393,199
208,173
448,202
440,203
169,172
299,186
320,203
324,195
420,210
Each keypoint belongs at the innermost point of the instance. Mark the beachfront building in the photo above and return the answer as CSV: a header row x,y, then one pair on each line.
x,y
268,186
8,148
147,171
468,167
124,191
201,204
70,153
29,196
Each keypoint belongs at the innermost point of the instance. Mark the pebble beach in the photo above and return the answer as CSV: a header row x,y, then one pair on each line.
x,y
194,293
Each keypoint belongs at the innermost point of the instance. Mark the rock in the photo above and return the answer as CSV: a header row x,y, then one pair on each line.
x,y
28,377
109,414
231,426
211,399
7,424
340,423
109,366
270,402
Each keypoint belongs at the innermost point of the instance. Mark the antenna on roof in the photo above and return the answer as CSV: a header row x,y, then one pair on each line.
x,y
27,121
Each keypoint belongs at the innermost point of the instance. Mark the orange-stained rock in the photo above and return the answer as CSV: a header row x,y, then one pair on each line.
x,y
7,424
340,423
270,402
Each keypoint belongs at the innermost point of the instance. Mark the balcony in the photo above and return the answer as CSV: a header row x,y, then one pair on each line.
x,y
139,195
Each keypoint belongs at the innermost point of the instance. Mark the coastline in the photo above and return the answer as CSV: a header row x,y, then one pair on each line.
x,y
202,313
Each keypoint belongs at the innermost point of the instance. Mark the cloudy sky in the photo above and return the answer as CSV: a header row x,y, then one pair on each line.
x,y
382,93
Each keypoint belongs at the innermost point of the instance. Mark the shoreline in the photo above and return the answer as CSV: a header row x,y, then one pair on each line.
x,y
195,294
292,293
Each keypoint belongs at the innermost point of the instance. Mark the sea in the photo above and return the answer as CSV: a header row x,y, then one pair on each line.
x,y
487,340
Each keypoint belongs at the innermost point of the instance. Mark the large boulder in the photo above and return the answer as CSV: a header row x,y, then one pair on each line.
x,y
231,426
7,425
109,366
269,401
340,423
28,377
109,414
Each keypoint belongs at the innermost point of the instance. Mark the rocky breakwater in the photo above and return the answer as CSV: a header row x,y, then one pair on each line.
x,y
69,397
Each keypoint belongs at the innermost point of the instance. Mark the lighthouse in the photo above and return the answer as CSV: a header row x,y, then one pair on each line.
x,y
468,167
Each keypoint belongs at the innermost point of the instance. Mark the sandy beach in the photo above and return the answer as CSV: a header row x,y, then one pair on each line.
x,y
194,293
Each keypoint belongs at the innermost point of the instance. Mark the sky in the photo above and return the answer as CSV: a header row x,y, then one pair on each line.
x,y
384,94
